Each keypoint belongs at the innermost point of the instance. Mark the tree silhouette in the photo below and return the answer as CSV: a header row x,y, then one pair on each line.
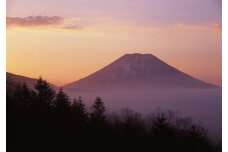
x,y
62,101
42,121
79,109
27,96
97,110
45,94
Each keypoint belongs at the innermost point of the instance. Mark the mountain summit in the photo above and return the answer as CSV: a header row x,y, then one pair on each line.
x,y
138,71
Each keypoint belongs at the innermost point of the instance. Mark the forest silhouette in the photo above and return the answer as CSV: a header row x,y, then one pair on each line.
x,y
41,120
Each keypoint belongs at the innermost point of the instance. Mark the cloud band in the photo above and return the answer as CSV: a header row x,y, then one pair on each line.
x,y
40,21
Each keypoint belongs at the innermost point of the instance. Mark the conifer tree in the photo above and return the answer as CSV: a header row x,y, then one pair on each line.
x,y
27,95
79,109
45,94
97,110
22,96
62,101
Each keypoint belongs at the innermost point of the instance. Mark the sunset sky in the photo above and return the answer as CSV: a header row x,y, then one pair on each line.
x,y
65,40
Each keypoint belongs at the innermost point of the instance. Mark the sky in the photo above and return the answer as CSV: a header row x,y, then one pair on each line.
x,y
63,41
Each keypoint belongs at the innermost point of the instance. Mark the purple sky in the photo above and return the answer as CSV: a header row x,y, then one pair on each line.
x,y
157,12
86,35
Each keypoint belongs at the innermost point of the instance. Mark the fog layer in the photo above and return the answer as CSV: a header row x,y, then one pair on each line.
x,y
203,105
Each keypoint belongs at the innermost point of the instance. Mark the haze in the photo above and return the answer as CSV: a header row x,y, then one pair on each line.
x,y
204,106
67,40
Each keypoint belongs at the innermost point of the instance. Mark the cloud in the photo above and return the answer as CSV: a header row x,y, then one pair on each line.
x,y
72,27
40,21
32,21
213,26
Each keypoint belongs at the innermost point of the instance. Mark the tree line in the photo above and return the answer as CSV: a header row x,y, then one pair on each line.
x,y
41,120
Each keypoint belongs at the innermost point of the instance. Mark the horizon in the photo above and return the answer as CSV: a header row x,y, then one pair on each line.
x,y
108,65
65,41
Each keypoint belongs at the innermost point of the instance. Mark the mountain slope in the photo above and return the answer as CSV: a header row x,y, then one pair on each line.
x,y
22,79
138,71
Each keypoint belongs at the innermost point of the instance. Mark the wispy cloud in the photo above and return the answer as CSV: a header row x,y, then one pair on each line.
x,y
213,26
41,21
72,27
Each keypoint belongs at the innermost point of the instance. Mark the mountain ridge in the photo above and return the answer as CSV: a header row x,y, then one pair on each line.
x,y
30,82
138,70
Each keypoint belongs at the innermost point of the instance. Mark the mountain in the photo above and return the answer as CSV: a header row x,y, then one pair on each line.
x,y
133,71
22,79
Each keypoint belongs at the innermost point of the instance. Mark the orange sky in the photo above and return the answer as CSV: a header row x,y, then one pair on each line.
x,y
64,49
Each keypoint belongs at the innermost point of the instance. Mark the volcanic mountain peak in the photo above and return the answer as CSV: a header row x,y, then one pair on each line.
x,y
138,71
142,63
